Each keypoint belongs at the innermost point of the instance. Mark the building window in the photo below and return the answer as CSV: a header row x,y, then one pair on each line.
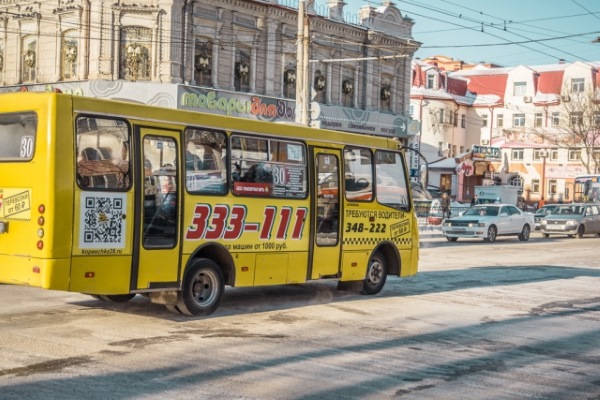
x,y
1,55
552,186
597,118
69,55
554,155
320,84
538,120
500,120
484,120
537,154
28,51
135,53
348,90
517,154
516,180
289,82
442,115
440,148
455,119
385,94
535,186
241,80
555,118
574,154
576,118
520,88
431,81
203,62
462,149
577,85
463,121
518,120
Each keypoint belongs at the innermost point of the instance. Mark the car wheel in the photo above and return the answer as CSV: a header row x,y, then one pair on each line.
x,y
491,235
453,239
580,231
524,235
546,235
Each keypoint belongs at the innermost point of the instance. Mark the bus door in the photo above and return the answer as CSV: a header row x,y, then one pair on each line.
x,y
326,240
158,209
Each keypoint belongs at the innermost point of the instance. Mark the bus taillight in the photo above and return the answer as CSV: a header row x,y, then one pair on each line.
x,y
40,244
41,208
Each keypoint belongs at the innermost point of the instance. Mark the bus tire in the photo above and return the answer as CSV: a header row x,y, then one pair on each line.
x,y
203,287
117,298
173,309
376,274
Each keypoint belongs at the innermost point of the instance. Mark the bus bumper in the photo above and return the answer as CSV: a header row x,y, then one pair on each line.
x,y
37,272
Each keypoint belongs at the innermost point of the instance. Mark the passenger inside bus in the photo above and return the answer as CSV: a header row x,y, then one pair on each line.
x,y
259,172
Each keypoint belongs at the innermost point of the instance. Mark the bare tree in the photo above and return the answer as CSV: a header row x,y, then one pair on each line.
x,y
576,126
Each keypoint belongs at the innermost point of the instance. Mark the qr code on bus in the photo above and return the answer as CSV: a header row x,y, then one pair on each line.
x,y
102,220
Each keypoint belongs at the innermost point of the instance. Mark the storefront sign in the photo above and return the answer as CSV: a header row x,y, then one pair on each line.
x,y
485,152
236,104
465,168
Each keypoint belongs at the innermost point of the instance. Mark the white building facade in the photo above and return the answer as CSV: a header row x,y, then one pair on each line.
x,y
545,121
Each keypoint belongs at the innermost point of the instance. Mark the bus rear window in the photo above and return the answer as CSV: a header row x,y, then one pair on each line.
x,y
17,136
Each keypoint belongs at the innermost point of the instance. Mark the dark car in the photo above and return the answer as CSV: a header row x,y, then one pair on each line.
x,y
542,212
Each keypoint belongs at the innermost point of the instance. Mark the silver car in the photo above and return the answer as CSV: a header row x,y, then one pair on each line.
x,y
572,219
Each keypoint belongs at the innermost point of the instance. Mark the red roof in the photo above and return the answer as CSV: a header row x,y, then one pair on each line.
x,y
549,82
488,84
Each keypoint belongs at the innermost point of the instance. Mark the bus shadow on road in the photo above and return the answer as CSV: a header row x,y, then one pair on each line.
x,y
241,301
238,301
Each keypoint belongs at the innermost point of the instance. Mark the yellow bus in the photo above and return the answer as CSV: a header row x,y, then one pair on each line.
x,y
115,199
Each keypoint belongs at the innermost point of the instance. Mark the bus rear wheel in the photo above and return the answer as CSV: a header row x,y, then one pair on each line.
x,y
203,287
376,274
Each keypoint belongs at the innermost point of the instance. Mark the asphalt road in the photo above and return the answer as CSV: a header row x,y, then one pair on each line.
x,y
507,320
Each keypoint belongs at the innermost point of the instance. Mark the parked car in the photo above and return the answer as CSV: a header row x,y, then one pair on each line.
x,y
488,221
542,212
572,219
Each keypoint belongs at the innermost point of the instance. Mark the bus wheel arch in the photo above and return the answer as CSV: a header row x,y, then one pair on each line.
x,y
219,254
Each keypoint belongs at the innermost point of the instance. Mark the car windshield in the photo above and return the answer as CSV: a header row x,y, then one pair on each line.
x,y
569,210
482,210
545,211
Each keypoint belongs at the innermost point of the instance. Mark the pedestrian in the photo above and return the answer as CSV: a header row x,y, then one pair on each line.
x,y
474,200
445,206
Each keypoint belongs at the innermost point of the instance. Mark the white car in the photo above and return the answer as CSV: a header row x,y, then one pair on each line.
x,y
488,221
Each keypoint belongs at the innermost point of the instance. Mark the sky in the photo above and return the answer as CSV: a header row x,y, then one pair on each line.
x,y
503,32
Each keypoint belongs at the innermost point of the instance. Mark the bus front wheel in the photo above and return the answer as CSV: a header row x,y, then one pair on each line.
x,y
202,289
376,274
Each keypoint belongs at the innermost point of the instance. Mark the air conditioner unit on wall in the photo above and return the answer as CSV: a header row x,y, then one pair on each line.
x,y
565,98
527,99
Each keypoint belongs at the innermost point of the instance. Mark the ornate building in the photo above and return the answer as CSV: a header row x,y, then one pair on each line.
x,y
234,57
